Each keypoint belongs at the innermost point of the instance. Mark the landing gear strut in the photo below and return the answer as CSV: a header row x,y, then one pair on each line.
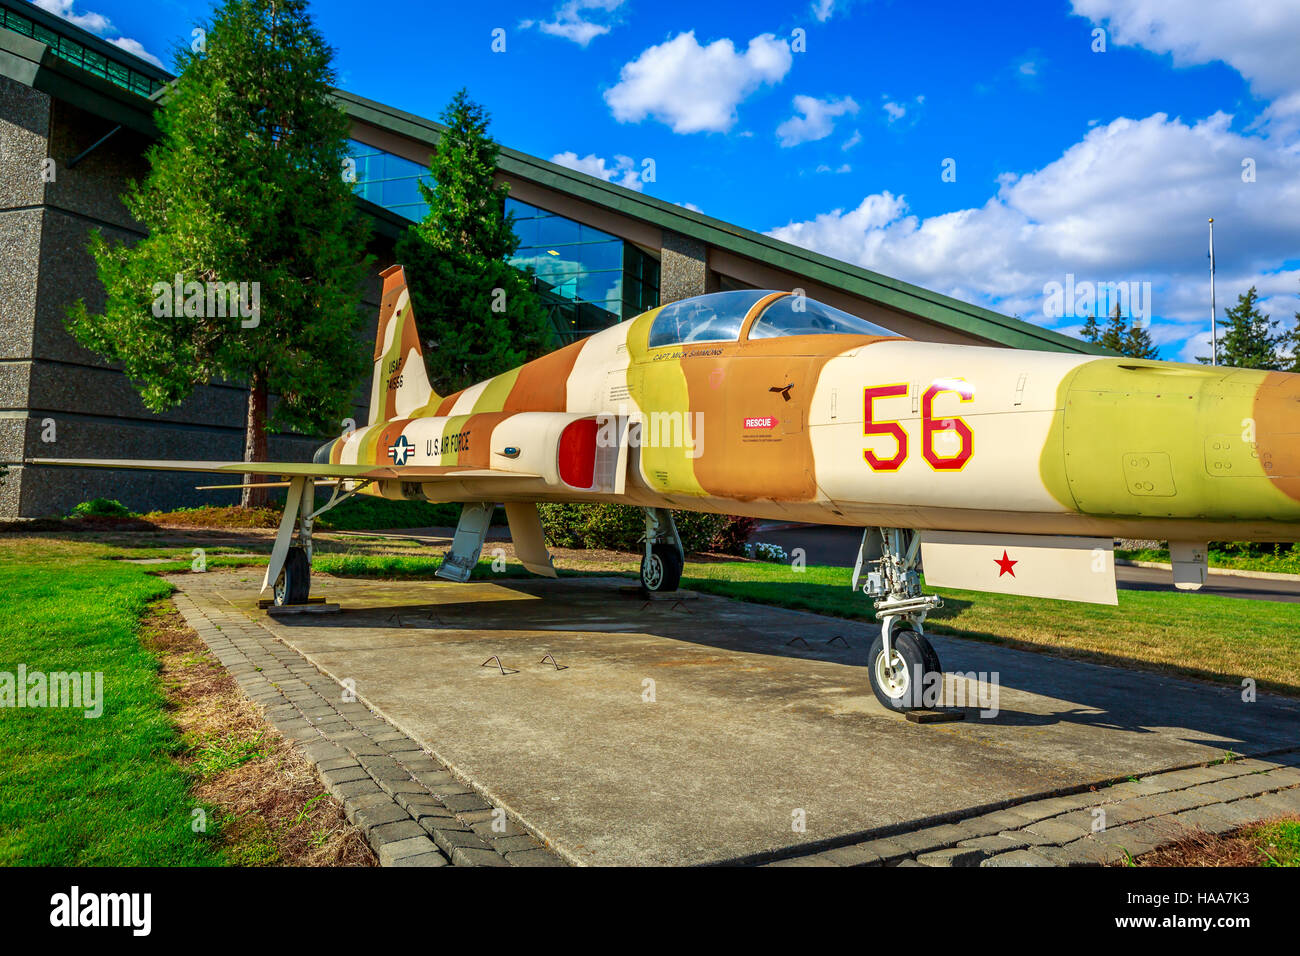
x,y
662,562
902,663
288,573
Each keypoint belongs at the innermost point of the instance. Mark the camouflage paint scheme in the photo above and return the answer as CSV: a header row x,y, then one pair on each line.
x,y
857,430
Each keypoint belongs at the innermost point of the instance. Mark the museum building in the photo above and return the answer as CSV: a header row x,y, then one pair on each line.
x,y
601,253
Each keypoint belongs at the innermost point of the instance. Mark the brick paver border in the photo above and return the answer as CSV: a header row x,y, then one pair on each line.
x,y
1093,827
411,808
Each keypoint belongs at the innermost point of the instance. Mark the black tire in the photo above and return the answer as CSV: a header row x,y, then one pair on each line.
x,y
903,690
931,655
661,570
293,586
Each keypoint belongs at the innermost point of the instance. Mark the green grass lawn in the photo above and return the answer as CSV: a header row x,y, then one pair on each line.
x,y
1282,561
99,791
1198,635
1279,843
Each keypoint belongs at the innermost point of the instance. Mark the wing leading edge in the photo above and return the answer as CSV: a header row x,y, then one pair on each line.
x,y
290,468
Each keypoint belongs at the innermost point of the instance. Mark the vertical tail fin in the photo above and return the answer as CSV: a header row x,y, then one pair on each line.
x,y
401,383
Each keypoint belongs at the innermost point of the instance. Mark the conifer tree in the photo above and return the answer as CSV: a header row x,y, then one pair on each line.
x,y
245,186
477,314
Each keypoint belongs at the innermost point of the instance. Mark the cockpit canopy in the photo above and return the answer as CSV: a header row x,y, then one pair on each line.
x,y
720,317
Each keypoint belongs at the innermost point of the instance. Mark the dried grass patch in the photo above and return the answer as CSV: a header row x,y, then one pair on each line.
x,y
269,801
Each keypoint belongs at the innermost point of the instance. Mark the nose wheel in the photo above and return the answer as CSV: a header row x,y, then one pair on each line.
x,y
663,558
902,675
904,669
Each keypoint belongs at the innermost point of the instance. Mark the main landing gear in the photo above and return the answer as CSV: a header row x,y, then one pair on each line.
x,y
903,668
662,562
293,586
289,572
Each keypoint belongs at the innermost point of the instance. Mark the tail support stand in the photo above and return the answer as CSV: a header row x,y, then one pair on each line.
x,y
475,518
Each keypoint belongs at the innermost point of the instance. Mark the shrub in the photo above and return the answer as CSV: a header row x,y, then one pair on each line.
x,y
619,527
733,535
763,551
101,508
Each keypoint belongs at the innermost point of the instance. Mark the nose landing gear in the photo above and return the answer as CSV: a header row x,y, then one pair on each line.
x,y
903,665
662,562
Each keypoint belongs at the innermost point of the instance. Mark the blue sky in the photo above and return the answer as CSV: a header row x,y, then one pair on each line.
x,y
1065,159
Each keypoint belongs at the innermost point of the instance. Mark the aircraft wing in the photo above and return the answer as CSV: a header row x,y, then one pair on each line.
x,y
289,468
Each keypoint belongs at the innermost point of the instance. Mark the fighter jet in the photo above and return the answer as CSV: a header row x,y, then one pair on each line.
x,y
991,469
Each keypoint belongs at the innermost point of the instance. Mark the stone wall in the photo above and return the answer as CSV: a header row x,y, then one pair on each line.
x,y
51,387
683,268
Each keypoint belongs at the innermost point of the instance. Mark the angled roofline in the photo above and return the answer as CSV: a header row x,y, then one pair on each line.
x,y
83,36
32,63
890,293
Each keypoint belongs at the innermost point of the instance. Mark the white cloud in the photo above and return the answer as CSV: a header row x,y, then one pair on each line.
x,y
823,10
842,168
817,121
852,141
896,110
94,22
135,47
689,205
572,20
694,88
621,170
1257,38
1128,202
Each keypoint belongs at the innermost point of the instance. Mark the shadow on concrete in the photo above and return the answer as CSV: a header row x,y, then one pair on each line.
x,y
1101,691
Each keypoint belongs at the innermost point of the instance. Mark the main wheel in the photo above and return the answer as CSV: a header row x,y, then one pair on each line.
x,y
661,570
293,586
900,682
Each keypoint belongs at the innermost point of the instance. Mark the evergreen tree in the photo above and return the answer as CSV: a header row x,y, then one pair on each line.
x,y
1091,330
1248,338
1137,342
1289,348
244,185
1120,336
477,314
1116,331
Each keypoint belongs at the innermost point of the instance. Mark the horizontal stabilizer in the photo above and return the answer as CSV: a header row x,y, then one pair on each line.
x,y
1031,565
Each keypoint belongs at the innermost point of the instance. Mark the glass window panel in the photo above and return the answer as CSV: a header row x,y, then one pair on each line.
x,y
526,230
599,286
398,192
553,231
602,256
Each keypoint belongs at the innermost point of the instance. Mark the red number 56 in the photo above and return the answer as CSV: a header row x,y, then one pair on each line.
x,y
930,427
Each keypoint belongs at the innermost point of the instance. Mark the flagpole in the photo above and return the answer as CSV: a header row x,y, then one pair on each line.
x,y
1214,319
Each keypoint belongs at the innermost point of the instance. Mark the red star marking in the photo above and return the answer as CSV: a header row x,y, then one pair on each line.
x,y
1005,564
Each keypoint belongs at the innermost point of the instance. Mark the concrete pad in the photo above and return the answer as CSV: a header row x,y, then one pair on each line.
x,y
698,732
